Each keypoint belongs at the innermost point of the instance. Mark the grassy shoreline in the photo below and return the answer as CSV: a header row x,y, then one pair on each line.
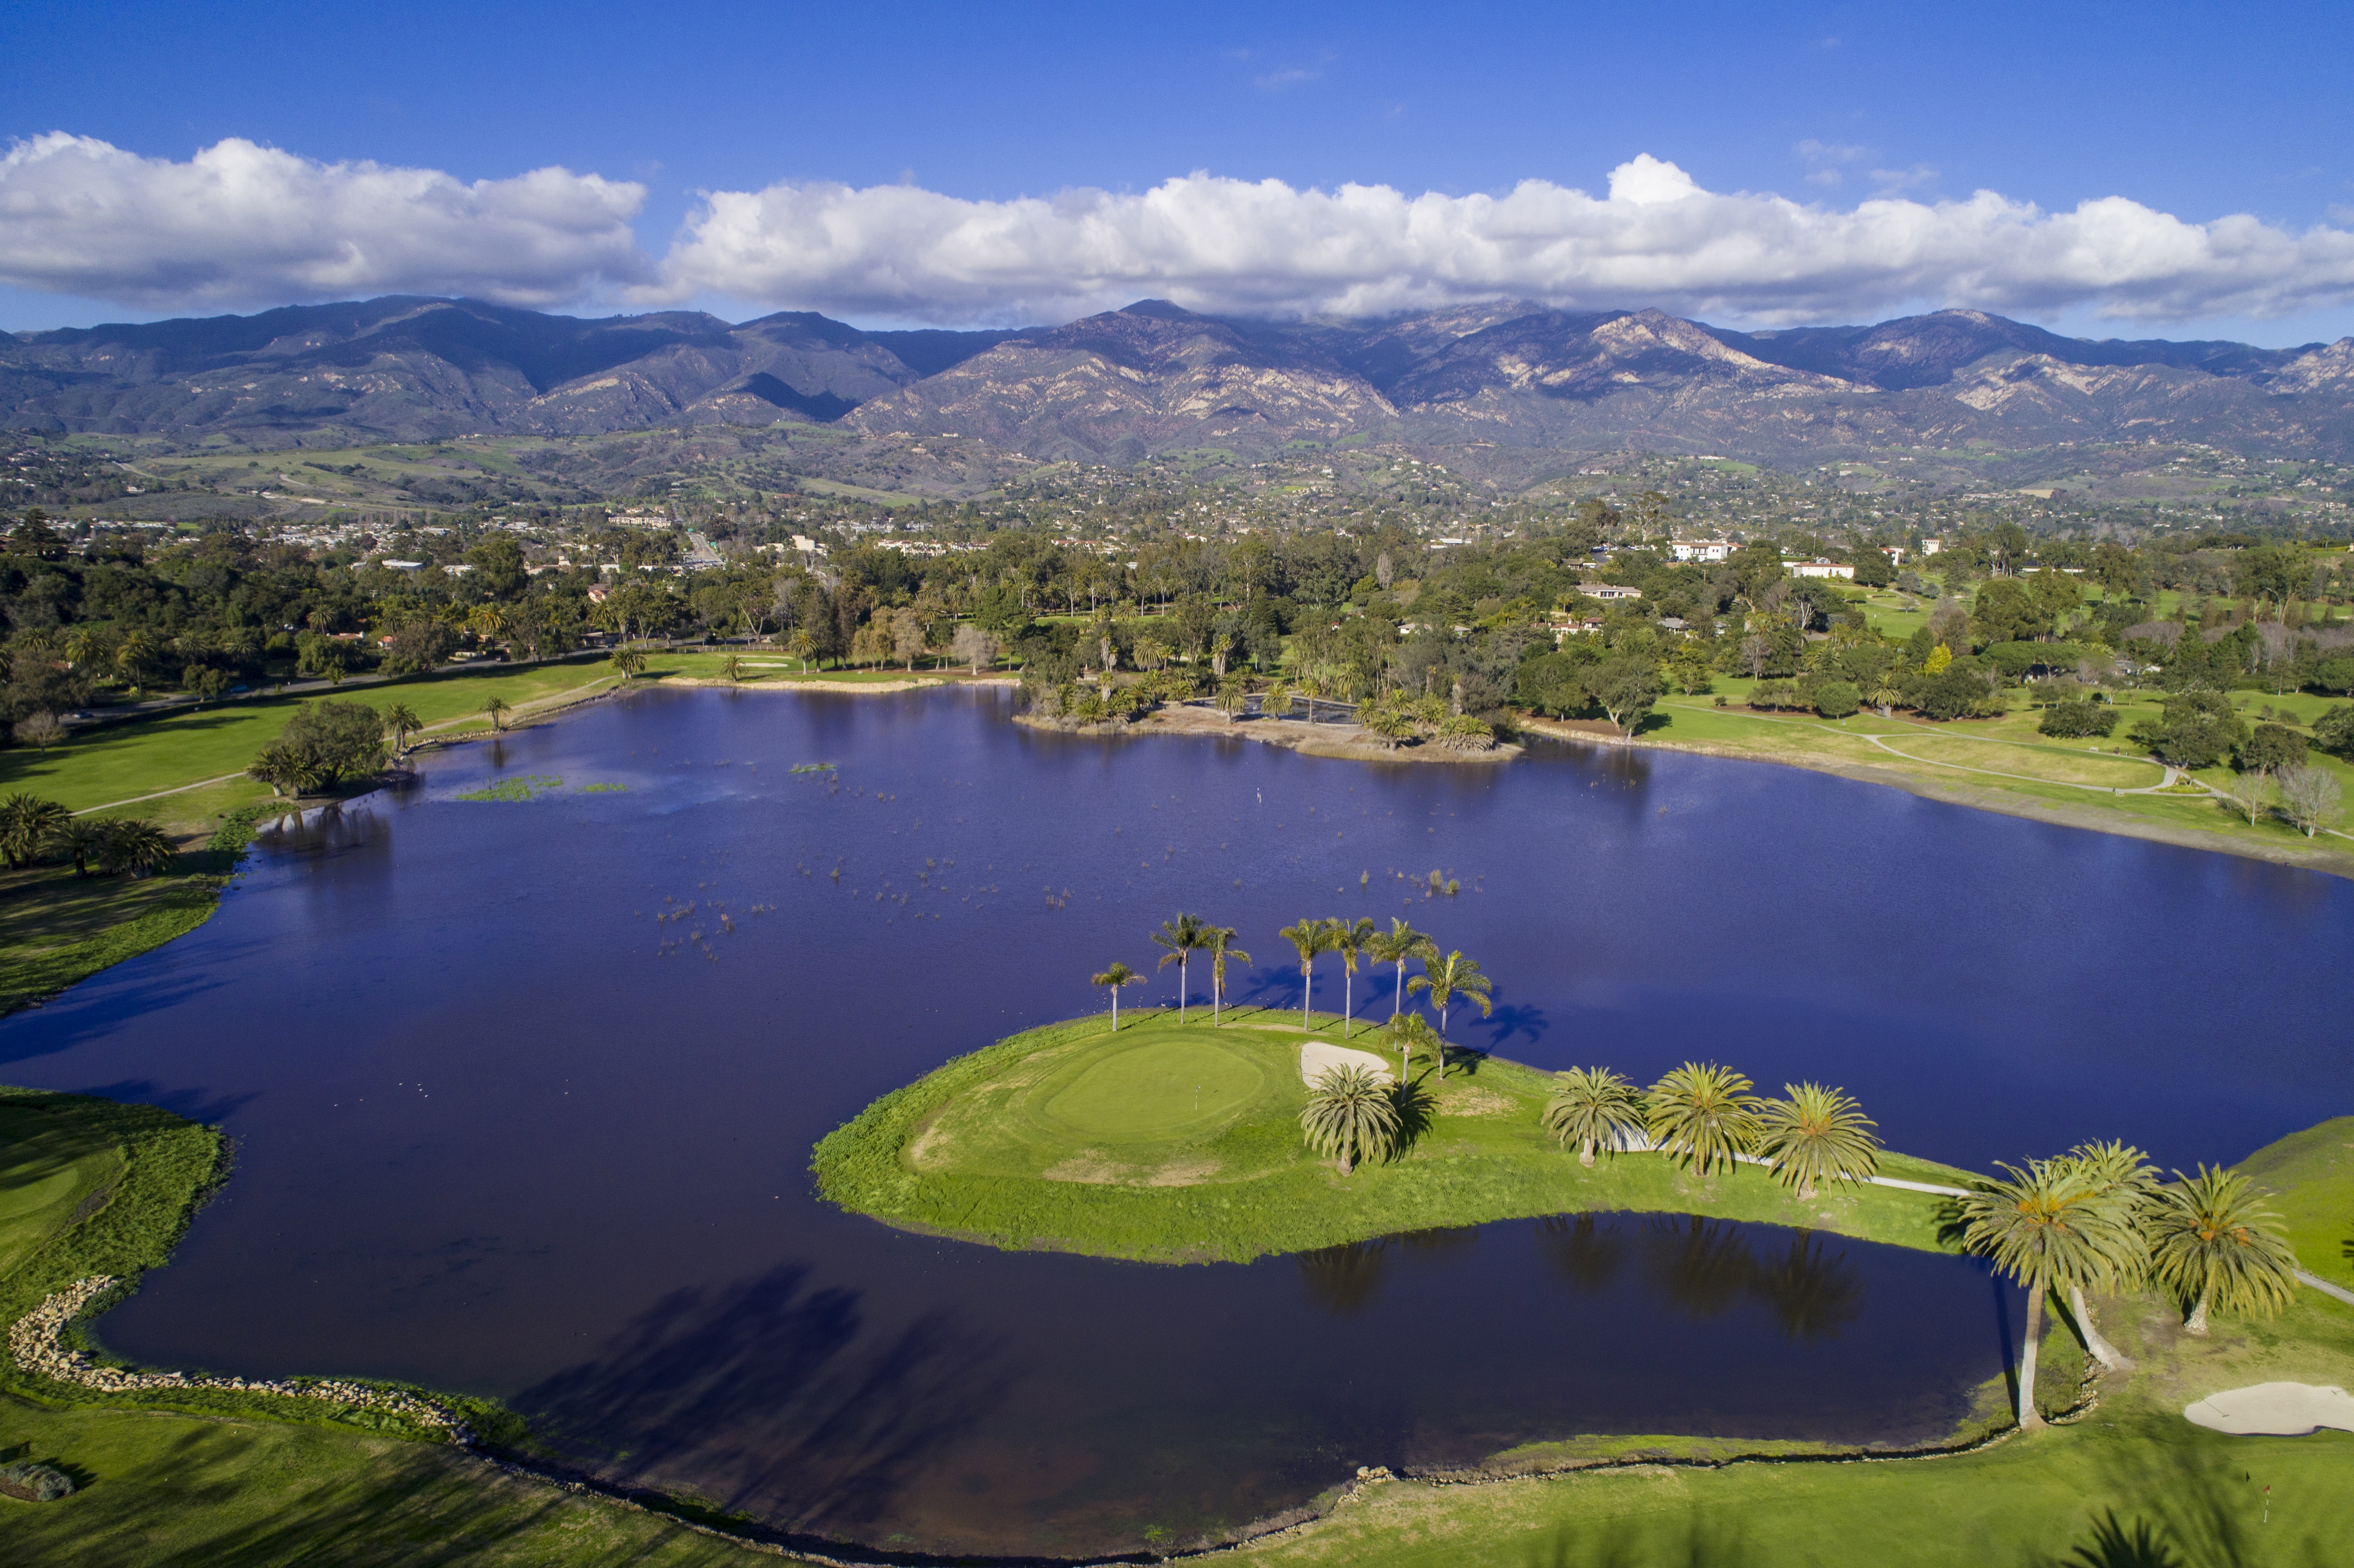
x,y
1007,1147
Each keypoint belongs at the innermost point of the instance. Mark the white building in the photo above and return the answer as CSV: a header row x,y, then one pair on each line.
x,y
1701,549
1931,546
1818,568
1608,591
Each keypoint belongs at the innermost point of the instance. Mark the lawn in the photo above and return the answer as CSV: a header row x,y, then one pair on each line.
x,y
1181,1142
57,929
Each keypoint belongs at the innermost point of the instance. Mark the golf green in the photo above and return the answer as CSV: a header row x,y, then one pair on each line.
x,y
1166,1086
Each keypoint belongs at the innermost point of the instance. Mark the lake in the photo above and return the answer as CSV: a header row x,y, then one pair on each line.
x,y
501,1128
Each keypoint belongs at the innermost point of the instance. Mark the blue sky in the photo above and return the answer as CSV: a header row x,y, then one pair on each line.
x,y
2192,112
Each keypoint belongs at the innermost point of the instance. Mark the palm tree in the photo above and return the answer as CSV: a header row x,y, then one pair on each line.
x,y
628,662
801,645
1180,937
1406,1031
1218,941
1311,938
1447,979
732,668
137,847
1112,978
1593,1106
1351,1115
2212,1240
2125,1173
488,621
1702,1114
78,840
495,709
1885,695
1400,945
1816,1135
1349,940
2049,1225
26,821
402,720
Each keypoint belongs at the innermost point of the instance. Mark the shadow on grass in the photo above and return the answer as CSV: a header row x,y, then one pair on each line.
x,y
2116,1544
1645,1543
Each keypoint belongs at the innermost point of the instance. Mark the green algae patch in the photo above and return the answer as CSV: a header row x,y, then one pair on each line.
x,y
1180,1142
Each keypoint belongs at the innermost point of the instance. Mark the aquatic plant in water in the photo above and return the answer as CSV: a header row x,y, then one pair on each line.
x,y
530,786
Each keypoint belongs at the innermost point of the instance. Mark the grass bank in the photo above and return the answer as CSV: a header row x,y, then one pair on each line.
x,y
91,1186
2132,1485
1181,1142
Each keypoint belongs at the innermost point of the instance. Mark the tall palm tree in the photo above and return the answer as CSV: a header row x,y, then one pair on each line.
x,y
1351,1115
1447,979
628,662
1406,1031
402,720
2047,1224
78,840
1311,938
1702,1114
2212,1240
1595,1106
801,645
1349,940
1885,695
1816,1135
137,847
1218,941
26,821
1400,945
495,709
1178,938
2125,1173
1112,978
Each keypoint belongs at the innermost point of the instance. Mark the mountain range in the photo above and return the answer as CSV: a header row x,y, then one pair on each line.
x,y
1153,377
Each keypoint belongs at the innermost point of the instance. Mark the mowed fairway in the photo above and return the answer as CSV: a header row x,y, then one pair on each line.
x,y
1164,1084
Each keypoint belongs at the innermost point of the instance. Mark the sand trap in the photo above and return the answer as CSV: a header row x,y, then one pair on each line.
x,y
1318,1058
2273,1409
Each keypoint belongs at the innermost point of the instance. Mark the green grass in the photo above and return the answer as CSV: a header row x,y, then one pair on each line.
x,y
1073,1138
2134,1463
2311,1174
57,929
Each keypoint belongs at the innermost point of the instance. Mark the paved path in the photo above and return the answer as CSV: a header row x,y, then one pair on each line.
x,y
2326,1287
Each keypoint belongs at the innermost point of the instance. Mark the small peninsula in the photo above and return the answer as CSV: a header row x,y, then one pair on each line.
x,y
1177,1141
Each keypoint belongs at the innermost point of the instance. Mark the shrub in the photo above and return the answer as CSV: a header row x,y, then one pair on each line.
x,y
2195,729
2334,733
1837,699
2073,721
2271,747
29,1482
1956,692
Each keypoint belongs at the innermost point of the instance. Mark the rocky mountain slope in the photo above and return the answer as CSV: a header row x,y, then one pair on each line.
x,y
1155,377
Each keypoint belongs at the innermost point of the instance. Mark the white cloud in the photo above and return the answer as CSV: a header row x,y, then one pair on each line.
x,y
240,224
1656,238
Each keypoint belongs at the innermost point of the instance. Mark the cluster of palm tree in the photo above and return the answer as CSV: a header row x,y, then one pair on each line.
x,y
1706,1117
1399,720
33,829
2099,1217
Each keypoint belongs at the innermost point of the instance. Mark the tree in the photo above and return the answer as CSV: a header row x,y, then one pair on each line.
x,y
2244,794
2194,730
1593,1107
2310,797
732,668
27,822
2050,1224
1218,941
1311,938
2125,1174
39,730
1111,980
78,840
1884,692
138,847
2212,1241
907,634
2271,747
1702,1115
400,721
974,646
1180,937
1627,690
287,769
1351,1115
2333,732
1447,979
1815,1135
1409,1031
801,645
628,662
495,709
1400,945
1349,940
325,742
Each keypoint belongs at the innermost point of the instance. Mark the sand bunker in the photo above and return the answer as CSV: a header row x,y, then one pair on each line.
x,y
2273,1409
1317,1058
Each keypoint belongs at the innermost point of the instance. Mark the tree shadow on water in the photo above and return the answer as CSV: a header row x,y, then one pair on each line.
x,y
1708,1267
1585,1253
771,1397
1343,1280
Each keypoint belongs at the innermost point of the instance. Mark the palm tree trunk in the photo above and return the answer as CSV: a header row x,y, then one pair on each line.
x,y
1114,1010
1586,1153
2107,1354
1442,1042
2197,1324
1348,992
2027,1419
1183,985
1397,1003
1307,992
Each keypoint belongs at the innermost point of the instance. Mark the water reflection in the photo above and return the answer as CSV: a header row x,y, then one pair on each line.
x,y
1707,1268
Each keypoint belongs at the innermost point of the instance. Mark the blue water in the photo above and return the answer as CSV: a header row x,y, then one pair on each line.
x,y
500,1130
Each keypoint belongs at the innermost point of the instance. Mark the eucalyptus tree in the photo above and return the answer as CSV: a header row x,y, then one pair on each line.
x,y
1218,941
1400,945
1816,1135
1311,938
1179,940
1112,979
2050,1225
1447,979
1351,1115
2125,1173
1702,1114
1593,1107
2212,1240
1349,940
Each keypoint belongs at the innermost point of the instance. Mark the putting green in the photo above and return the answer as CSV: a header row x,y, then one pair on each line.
x,y
1163,1088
